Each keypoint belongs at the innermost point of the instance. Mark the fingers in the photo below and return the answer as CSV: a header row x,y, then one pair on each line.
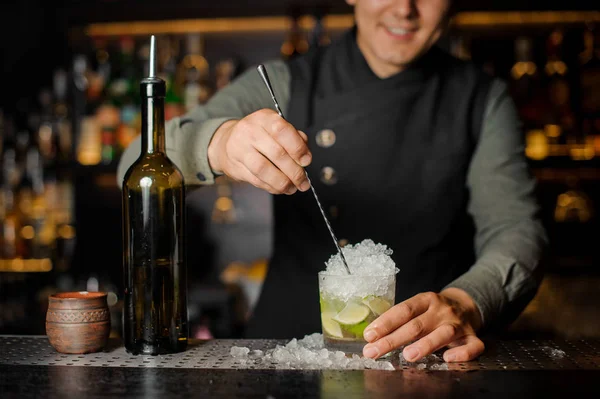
x,y
304,136
397,316
426,323
289,138
472,348
433,341
291,172
409,332
263,149
263,170
271,150
246,175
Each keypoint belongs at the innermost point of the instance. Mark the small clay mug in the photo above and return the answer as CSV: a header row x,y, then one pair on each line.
x,y
78,322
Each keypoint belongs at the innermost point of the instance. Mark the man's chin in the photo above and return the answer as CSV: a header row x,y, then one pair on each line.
x,y
400,62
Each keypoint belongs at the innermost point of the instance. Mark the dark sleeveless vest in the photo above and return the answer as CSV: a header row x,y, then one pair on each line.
x,y
396,174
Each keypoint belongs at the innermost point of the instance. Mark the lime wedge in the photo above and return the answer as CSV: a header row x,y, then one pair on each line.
x,y
352,314
357,330
377,305
331,328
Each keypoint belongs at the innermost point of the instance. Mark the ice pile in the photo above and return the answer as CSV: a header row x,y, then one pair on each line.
x,y
307,353
433,362
439,366
373,262
553,352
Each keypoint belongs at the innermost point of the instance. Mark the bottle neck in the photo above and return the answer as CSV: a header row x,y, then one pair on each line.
x,y
153,125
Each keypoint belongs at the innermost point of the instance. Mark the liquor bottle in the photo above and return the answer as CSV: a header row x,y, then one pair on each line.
x,y
319,36
119,95
47,136
32,207
128,103
590,86
155,314
195,70
526,83
295,43
226,70
559,89
61,116
529,97
173,101
85,128
11,227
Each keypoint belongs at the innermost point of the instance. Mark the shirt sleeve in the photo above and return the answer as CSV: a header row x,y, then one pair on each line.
x,y
188,136
510,239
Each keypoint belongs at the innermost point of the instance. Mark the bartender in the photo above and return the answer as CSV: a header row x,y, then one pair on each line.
x,y
405,145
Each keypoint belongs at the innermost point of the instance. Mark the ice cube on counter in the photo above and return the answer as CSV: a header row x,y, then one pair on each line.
x,y
307,353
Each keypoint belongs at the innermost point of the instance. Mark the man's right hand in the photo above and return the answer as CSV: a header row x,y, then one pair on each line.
x,y
264,150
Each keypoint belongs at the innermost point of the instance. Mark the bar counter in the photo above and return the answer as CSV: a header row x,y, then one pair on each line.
x,y
31,368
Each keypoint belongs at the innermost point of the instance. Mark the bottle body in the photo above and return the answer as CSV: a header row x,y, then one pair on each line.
x,y
155,313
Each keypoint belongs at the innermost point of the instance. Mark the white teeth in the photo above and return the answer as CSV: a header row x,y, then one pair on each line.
x,y
398,31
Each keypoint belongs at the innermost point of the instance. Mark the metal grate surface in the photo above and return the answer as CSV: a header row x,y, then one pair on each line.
x,y
215,354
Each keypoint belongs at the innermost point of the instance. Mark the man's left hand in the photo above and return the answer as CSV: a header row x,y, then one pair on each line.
x,y
430,321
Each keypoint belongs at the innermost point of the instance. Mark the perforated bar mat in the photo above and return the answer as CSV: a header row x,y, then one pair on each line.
x,y
215,354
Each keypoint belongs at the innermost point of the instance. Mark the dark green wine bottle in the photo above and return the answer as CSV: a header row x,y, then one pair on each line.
x,y
155,314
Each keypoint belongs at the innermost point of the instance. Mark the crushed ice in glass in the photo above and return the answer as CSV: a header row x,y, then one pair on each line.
x,y
307,353
365,258
368,259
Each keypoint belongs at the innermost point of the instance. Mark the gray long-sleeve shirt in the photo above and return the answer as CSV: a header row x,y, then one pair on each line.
x,y
509,240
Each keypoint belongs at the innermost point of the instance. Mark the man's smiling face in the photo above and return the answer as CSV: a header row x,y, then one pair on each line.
x,y
394,33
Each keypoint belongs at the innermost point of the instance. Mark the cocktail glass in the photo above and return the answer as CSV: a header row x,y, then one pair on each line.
x,y
349,303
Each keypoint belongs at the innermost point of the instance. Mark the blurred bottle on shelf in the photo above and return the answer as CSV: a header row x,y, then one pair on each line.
x,y
108,119
194,72
295,42
11,242
225,71
319,36
170,48
32,208
528,93
62,118
36,158
86,130
26,232
556,72
525,84
98,73
560,110
58,230
47,134
120,100
590,85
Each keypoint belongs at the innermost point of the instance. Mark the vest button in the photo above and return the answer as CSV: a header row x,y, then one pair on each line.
x,y
328,175
325,138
